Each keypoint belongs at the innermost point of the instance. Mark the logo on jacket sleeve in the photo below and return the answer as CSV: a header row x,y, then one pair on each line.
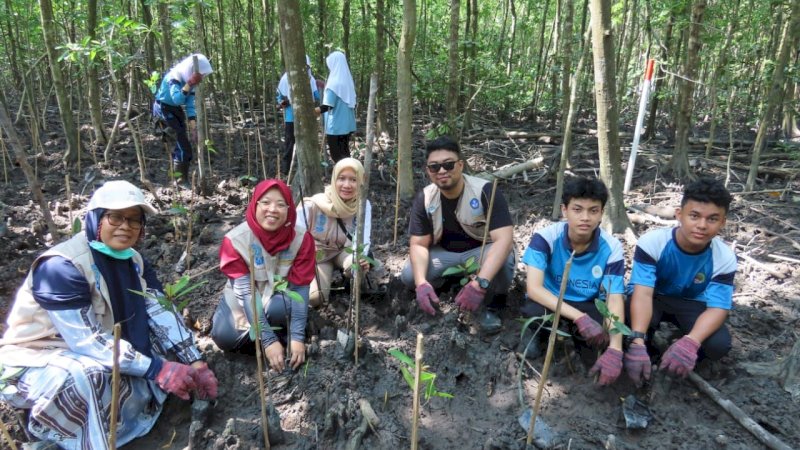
x,y
474,203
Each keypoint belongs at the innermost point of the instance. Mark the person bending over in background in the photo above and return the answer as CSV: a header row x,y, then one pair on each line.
x,y
175,93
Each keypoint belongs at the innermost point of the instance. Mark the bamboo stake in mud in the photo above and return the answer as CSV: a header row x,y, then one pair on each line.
x,y
260,375
396,201
415,406
69,198
7,436
551,344
488,221
112,433
358,273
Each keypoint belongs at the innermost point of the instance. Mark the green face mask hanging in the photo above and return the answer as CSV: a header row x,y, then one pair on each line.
x,y
106,250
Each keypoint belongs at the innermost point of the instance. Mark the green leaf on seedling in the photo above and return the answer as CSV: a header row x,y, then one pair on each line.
x,y
348,250
189,289
319,255
178,209
249,178
397,353
256,327
452,271
370,260
76,226
620,327
602,307
464,281
443,394
294,296
407,375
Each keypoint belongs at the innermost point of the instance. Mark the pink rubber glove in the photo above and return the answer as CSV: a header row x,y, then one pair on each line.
x,y
680,357
206,381
195,79
609,365
176,378
594,334
637,363
426,295
470,297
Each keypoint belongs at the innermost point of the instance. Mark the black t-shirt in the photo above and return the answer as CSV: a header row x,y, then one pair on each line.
x,y
454,239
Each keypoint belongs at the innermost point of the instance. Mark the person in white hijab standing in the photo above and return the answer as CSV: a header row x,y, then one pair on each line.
x,y
175,93
284,99
338,106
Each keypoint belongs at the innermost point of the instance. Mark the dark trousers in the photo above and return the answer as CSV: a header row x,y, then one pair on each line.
x,y
176,119
683,314
339,146
532,309
228,338
288,147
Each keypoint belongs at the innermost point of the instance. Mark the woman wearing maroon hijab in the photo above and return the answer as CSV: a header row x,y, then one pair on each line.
x,y
268,248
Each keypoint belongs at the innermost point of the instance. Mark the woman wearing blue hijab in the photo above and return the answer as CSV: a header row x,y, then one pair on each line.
x,y
57,351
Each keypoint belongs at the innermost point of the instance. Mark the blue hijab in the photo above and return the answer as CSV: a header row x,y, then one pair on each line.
x,y
122,277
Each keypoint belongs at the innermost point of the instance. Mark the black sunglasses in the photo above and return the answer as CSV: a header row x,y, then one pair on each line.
x,y
448,166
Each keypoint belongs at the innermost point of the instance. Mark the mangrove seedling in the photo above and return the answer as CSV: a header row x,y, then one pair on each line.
x,y
470,267
616,327
359,251
427,379
173,292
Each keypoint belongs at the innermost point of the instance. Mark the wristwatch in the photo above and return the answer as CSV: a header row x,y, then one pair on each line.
x,y
636,335
482,282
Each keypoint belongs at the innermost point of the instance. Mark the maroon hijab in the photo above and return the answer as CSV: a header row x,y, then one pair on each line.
x,y
280,239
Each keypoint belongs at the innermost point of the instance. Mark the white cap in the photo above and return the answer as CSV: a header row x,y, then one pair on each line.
x,y
120,194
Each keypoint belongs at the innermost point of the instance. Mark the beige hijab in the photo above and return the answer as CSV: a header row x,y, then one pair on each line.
x,y
329,201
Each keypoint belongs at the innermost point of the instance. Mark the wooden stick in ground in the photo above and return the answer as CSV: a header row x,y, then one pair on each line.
x,y
7,436
112,429
551,344
69,199
260,374
415,407
488,221
749,424
358,274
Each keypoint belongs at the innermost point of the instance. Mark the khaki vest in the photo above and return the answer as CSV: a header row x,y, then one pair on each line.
x,y
327,234
470,213
265,268
30,330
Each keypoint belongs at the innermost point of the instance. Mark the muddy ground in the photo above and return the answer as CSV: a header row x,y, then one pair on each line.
x,y
319,404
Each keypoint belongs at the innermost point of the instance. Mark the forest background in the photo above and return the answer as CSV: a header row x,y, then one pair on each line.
x,y
550,87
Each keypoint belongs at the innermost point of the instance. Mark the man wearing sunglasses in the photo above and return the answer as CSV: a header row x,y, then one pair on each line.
x,y
447,228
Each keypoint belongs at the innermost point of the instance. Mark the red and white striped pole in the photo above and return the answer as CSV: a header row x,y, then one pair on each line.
x,y
648,76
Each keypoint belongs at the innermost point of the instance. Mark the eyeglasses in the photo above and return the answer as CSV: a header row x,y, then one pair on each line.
x,y
447,165
118,219
266,204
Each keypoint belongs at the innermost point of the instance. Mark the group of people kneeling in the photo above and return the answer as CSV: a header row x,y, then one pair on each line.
x,y
57,344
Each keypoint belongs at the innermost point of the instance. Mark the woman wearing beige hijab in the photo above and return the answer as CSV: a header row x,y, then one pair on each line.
x,y
330,217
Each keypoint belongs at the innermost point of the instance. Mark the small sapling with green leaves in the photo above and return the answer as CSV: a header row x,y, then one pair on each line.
x,y
359,251
617,327
427,379
465,270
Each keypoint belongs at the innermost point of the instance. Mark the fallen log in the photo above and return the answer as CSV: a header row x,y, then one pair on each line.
x,y
508,172
761,169
740,416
